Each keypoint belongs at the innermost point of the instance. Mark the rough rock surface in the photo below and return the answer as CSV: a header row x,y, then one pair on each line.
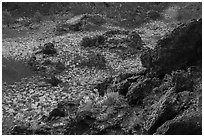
x,y
170,105
84,22
49,49
135,40
178,50
139,90
74,24
93,41
188,124
81,125
115,39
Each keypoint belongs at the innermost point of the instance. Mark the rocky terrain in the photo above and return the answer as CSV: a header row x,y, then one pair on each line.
x,y
87,74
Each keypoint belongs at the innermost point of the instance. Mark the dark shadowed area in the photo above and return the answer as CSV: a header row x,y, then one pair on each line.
x,y
13,71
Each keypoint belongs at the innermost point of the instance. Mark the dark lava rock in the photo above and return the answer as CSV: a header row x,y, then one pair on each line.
x,y
54,81
74,24
116,32
59,67
56,113
123,76
104,123
122,87
35,65
69,107
146,58
45,65
87,42
112,130
20,130
84,22
135,40
169,106
178,50
81,125
124,121
123,39
75,27
102,87
182,80
42,131
95,60
32,61
47,62
153,15
94,41
49,49
119,83
139,90
24,130
186,124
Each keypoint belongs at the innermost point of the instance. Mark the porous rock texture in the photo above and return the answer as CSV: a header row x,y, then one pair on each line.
x,y
178,50
188,124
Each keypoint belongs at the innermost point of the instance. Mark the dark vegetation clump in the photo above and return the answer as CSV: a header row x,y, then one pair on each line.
x,y
94,41
95,60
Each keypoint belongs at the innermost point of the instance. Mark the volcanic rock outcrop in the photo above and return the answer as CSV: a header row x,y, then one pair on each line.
x,y
178,50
